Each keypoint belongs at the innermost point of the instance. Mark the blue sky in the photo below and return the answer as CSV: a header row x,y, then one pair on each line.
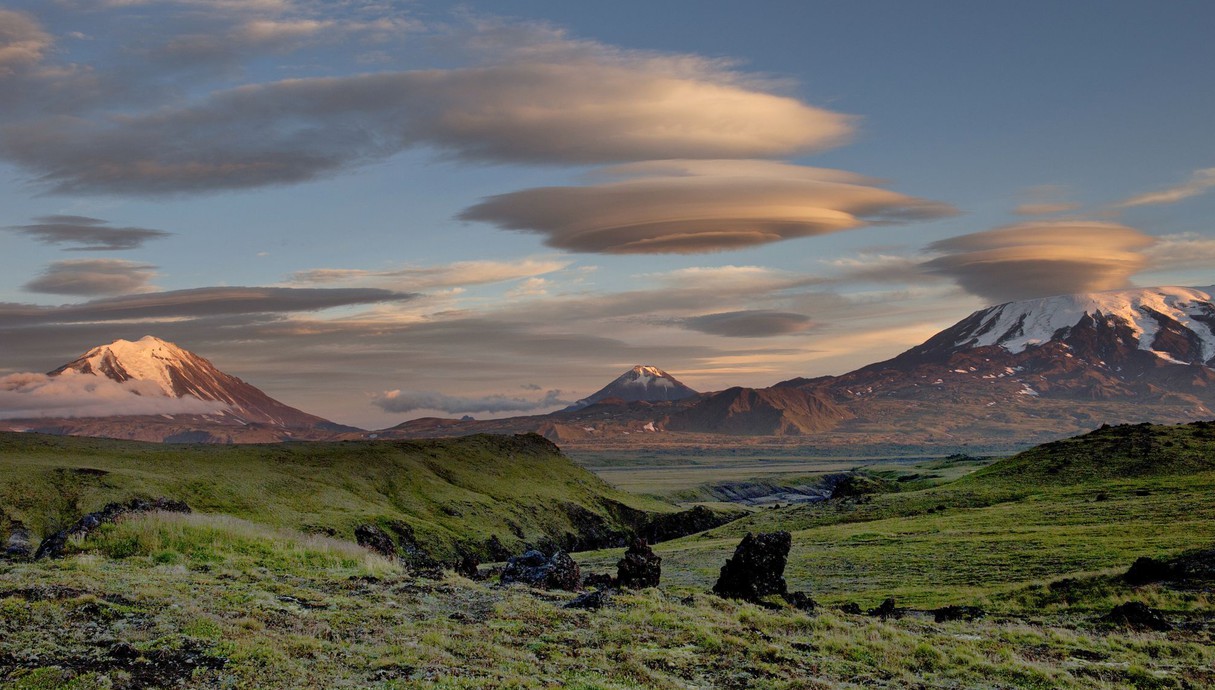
x,y
510,203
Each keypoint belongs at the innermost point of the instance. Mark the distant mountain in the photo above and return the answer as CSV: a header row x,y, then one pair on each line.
x,y
242,413
1035,369
642,383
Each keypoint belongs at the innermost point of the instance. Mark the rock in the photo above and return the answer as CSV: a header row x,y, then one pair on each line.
x,y
1146,570
19,546
592,601
851,608
54,545
667,526
1137,615
757,568
801,601
469,566
886,610
599,581
640,567
957,613
535,569
496,549
370,536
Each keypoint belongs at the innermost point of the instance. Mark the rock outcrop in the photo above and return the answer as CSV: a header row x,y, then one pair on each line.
x,y
640,567
535,569
54,545
757,568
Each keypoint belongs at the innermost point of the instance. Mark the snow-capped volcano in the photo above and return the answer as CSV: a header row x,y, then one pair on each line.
x,y
1175,324
642,383
178,373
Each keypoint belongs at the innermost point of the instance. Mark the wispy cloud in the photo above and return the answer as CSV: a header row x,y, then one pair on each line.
x,y
409,401
87,234
1200,182
457,274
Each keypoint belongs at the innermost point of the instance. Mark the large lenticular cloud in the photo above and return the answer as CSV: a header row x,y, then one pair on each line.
x,y
690,207
1030,260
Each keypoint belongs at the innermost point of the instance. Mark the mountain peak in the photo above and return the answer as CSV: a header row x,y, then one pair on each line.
x,y
1176,324
642,383
179,373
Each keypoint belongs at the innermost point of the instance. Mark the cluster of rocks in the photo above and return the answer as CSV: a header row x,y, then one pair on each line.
x,y
20,543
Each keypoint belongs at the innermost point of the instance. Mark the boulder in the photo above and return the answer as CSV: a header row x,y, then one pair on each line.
x,y
957,613
19,545
371,537
535,569
1137,615
640,567
599,581
801,601
591,601
757,568
886,610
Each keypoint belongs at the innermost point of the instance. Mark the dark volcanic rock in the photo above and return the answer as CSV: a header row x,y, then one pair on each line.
x,y
592,601
757,568
957,613
851,608
640,567
667,526
18,546
537,570
887,610
1137,615
801,601
469,566
1196,568
54,545
372,537
599,581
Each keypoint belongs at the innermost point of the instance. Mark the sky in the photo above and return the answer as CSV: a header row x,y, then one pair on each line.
x,y
378,210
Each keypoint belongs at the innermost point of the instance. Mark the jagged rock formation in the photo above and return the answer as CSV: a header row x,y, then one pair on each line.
x,y
757,568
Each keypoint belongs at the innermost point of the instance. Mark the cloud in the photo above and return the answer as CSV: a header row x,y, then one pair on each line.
x,y
1045,209
1199,183
199,303
1182,250
559,101
92,277
408,401
90,234
460,273
30,395
751,323
700,206
23,42
1040,259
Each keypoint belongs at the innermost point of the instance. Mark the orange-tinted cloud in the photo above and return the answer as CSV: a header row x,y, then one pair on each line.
x,y
688,207
1039,259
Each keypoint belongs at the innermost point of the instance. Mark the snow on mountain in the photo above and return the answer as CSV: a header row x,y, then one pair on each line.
x,y
1016,326
642,383
178,373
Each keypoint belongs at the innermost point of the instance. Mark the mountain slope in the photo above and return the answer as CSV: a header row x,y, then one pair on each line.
x,y
473,495
642,383
154,369
1022,372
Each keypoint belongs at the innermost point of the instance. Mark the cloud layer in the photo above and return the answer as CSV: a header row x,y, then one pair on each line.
x,y
750,323
92,277
87,234
700,206
30,395
1200,182
1040,259
409,401
557,101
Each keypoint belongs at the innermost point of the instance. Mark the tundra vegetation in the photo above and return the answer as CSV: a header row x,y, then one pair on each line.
x,y
1012,576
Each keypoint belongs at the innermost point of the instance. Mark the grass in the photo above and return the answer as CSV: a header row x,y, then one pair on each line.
x,y
283,609
454,494
1038,540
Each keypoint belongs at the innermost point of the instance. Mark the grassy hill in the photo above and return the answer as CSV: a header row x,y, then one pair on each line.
x,y
1081,505
455,495
1038,540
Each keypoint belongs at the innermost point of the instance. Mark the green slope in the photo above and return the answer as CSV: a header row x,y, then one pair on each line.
x,y
455,494
1077,506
